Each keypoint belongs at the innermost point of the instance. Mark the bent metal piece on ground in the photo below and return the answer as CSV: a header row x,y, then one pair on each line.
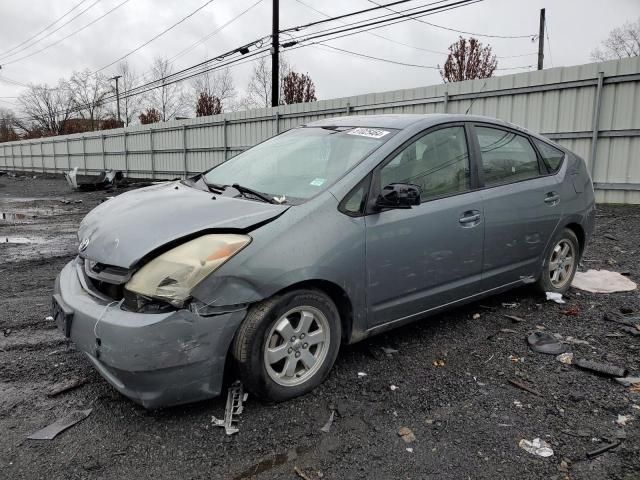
x,y
321,236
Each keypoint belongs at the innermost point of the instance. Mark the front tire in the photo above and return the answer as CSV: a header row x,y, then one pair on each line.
x,y
287,344
561,263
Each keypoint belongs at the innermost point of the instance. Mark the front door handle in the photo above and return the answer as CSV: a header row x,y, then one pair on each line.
x,y
470,218
552,198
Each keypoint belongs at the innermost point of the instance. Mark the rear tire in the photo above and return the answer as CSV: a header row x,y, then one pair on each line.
x,y
560,263
287,344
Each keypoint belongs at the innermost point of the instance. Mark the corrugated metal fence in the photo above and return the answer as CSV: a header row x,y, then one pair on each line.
x,y
591,109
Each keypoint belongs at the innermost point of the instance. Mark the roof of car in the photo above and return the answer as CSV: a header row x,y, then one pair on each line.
x,y
401,121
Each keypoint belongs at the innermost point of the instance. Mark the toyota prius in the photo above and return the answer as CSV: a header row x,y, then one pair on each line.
x,y
324,235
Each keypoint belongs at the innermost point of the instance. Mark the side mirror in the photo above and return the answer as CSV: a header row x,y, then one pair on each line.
x,y
399,195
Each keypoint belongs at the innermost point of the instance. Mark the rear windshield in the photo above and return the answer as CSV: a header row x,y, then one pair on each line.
x,y
300,163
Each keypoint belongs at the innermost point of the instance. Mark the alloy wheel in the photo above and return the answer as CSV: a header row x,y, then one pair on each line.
x,y
561,263
296,346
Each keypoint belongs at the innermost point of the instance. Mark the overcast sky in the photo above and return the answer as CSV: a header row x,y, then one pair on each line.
x,y
575,28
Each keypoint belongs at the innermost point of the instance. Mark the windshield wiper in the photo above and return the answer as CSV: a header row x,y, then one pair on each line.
x,y
244,190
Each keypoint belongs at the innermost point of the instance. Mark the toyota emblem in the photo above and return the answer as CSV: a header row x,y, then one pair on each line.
x,y
83,245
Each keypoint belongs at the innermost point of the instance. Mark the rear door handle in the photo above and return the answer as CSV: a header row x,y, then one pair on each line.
x,y
470,218
552,198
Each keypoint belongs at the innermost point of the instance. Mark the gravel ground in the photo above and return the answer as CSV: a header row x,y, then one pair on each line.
x,y
466,417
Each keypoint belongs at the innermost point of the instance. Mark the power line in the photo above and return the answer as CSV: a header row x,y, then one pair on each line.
x,y
157,36
382,22
216,31
460,31
373,34
69,35
43,30
50,33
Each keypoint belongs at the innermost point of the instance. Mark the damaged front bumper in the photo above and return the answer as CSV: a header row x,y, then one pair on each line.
x,y
158,359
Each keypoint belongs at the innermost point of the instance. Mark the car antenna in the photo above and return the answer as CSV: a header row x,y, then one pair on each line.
x,y
475,98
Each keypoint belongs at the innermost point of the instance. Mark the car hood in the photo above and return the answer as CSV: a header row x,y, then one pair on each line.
x,y
125,228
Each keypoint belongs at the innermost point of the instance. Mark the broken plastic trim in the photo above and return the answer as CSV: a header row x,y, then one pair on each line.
x,y
235,399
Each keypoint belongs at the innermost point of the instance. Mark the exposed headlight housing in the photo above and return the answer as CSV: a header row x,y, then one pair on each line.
x,y
174,274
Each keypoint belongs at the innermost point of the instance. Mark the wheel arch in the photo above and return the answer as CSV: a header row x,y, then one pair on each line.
x,y
339,297
577,229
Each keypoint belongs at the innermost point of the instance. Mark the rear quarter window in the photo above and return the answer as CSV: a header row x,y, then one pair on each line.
x,y
551,156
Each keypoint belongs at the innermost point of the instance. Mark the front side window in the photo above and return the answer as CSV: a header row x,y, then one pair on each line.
x,y
506,156
437,162
551,156
301,162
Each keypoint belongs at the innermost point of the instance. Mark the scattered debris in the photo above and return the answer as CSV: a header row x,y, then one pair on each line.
x,y
235,399
571,311
300,473
537,447
393,388
623,419
507,330
511,305
362,374
406,434
601,450
628,320
524,387
409,449
576,341
65,386
602,368
628,381
48,318
476,316
327,426
60,425
438,363
566,358
515,359
389,351
543,342
635,388
517,403
6,332
631,330
105,180
610,237
602,281
555,297
514,318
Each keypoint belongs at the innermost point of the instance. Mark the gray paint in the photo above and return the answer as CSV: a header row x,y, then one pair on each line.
x,y
393,266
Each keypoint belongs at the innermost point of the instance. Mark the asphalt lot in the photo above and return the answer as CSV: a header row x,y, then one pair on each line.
x,y
467,418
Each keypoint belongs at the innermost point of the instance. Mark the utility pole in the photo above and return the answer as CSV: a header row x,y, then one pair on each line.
x,y
541,41
117,96
275,50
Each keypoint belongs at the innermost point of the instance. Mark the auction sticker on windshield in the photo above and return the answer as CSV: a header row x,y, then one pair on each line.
x,y
368,132
317,182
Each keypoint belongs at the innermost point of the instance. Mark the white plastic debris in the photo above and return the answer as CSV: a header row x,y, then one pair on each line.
x,y
622,420
49,318
410,450
537,447
362,374
555,297
566,358
327,426
517,403
602,281
393,388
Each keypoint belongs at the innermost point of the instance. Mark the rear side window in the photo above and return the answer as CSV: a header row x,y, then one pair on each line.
x,y
551,156
506,156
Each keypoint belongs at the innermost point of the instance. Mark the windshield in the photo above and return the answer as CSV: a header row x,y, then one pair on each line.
x,y
301,162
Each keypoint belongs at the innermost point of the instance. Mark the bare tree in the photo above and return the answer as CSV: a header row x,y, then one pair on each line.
x,y
468,60
259,88
151,115
7,126
168,99
88,92
216,84
47,109
129,105
298,88
208,105
622,42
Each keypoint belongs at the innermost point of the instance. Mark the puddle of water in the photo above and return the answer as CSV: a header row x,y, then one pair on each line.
x,y
22,240
271,462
